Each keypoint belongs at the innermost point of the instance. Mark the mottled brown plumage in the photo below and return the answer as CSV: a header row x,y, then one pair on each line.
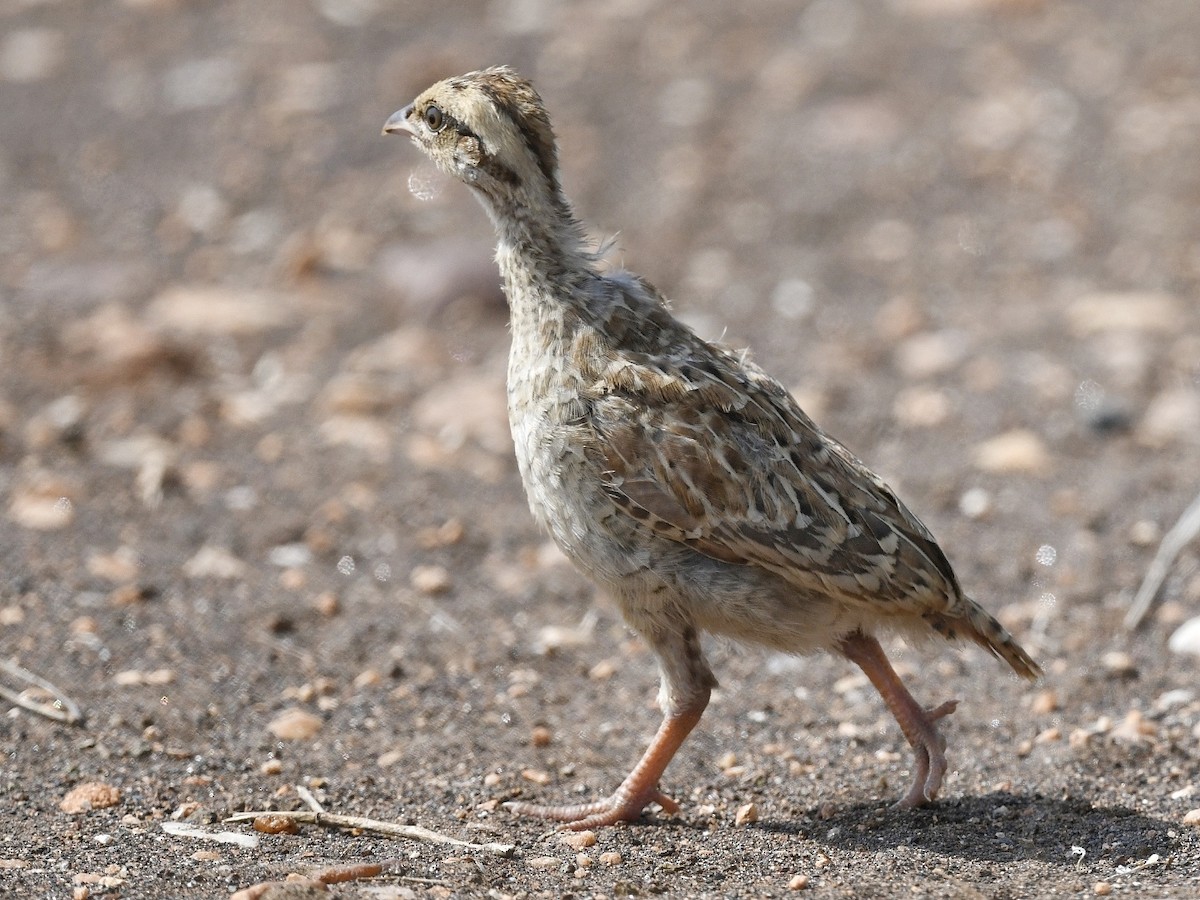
x,y
675,472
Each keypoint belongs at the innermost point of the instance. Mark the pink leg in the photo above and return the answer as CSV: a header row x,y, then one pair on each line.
x,y
639,788
918,724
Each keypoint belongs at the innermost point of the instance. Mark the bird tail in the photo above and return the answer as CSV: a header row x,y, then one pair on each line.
x,y
993,636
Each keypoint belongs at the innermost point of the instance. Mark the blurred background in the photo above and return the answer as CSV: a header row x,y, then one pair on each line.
x,y
253,450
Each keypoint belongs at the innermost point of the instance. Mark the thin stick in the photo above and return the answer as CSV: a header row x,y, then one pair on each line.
x,y
391,829
1173,541
62,709
307,796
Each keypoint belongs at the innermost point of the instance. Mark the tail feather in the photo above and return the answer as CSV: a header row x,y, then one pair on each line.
x,y
989,633
977,624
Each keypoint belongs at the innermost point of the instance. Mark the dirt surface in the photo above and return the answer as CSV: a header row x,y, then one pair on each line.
x,y
260,520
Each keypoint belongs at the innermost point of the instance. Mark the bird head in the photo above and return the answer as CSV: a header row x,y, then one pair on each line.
x,y
488,129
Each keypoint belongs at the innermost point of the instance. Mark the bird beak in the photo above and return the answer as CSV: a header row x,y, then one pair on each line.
x,y
398,121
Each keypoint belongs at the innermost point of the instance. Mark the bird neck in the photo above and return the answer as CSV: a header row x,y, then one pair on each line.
x,y
540,249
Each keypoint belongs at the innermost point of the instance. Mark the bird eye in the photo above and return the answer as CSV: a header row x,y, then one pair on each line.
x,y
434,118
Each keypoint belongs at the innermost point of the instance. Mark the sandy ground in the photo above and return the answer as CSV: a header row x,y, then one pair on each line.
x,y
260,520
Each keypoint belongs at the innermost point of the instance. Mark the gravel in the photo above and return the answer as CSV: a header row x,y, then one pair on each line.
x,y
259,513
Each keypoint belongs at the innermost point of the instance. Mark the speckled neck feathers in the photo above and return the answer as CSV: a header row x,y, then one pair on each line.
x,y
491,130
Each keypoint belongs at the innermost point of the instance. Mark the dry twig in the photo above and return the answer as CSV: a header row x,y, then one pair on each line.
x,y
61,709
1173,541
389,829
307,796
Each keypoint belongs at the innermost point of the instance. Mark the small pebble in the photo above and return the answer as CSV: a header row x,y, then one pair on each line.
x,y
272,824
271,767
448,533
1124,312
119,566
1144,533
1186,638
1134,728
43,506
1118,662
327,604
1173,698
1101,888
1192,817
578,840
541,736
295,725
1049,736
1173,416
1017,451
537,776
206,311
746,814
214,562
543,862
1044,703
389,758
611,858
137,677
603,670
367,678
89,796
931,353
798,883
921,407
975,503
430,579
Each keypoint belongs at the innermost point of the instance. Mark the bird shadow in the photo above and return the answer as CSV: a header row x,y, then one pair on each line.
x,y
997,827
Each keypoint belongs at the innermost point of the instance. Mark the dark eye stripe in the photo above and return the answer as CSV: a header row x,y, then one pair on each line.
x,y
542,152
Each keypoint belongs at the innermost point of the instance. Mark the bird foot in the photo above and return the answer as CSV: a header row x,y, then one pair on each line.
x,y
930,749
620,807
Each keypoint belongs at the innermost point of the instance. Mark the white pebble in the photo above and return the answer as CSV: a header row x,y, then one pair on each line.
x,y
1186,638
431,579
931,353
975,503
1144,533
1019,450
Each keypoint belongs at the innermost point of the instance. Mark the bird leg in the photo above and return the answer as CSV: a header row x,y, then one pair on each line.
x,y
918,724
687,683
640,786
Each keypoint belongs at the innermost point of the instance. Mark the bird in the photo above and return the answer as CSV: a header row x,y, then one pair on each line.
x,y
674,472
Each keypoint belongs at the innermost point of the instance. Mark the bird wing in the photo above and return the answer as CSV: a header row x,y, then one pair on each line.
x,y
707,450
